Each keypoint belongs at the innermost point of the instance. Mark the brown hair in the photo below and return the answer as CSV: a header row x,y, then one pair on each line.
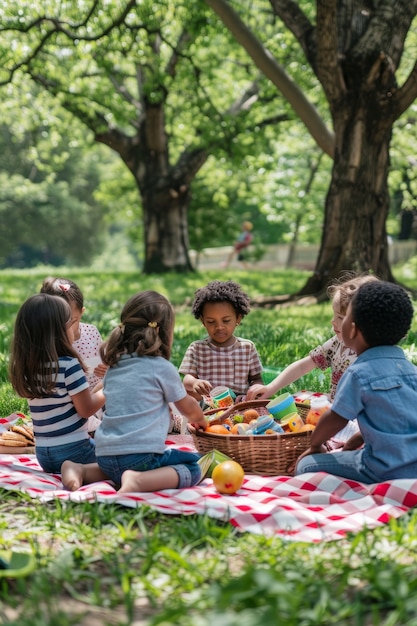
x,y
346,287
40,338
65,288
146,328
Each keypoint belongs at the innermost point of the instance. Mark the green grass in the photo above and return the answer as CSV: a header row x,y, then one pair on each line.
x,y
106,564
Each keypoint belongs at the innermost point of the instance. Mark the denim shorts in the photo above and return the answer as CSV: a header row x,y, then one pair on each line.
x,y
51,458
184,463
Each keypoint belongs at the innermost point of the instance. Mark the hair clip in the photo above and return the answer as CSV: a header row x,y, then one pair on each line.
x,y
122,328
64,286
153,324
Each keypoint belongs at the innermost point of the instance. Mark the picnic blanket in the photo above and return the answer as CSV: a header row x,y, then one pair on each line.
x,y
312,508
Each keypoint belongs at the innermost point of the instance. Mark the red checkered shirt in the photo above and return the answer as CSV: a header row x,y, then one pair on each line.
x,y
235,366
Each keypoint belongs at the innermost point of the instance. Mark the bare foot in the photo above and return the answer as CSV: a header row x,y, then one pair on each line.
x,y
72,475
151,480
130,481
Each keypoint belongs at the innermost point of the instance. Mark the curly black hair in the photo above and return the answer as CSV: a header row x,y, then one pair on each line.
x,y
383,312
221,291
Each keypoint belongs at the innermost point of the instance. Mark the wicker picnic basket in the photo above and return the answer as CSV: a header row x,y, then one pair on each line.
x,y
302,409
266,455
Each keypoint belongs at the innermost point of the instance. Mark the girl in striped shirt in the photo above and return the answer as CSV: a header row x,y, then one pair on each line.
x,y
47,370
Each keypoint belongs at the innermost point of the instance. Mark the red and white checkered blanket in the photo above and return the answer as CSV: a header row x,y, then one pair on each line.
x,y
313,507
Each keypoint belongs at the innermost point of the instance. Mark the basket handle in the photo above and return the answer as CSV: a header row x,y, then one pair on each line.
x,y
236,408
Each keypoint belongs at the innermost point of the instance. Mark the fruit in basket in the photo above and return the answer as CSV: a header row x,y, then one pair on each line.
x,y
217,429
237,428
249,415
306,427
238,419
228,477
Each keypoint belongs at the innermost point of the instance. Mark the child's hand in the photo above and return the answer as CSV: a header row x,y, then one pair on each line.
x,y
202,387
256,391
200,425
100,370
355,442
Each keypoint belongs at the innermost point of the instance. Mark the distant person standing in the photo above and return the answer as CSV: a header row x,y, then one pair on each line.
x,y
241,244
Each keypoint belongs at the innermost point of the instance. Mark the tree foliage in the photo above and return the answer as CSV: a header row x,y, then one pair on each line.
x,y
144,78
47,206
354,51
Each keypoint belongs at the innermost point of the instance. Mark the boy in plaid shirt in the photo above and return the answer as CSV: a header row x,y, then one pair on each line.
x,y
221,359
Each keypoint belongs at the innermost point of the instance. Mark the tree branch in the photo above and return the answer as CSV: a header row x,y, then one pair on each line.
x,y
300,26
406,95
264,60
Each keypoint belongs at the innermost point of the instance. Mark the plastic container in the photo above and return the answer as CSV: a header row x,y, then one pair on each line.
x,y
318,406
262,424
294,422
281,406
222,397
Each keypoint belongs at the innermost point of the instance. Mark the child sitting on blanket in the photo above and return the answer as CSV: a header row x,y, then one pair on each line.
x,y
221,358
333,353
138,387
379,390
87,338
46,369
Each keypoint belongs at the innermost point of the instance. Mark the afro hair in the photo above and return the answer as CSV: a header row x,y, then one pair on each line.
x,y
220,291
383,312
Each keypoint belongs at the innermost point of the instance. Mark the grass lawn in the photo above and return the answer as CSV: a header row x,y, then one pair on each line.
x,y
107,564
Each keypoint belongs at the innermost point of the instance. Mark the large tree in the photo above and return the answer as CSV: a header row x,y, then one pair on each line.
x,y
354,48
141,77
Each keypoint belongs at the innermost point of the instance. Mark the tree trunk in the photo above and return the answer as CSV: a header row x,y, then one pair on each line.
x,y
165,229
354,47
164,189
357,206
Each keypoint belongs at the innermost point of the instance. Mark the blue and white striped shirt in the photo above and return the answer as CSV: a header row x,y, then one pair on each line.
x,y
55,419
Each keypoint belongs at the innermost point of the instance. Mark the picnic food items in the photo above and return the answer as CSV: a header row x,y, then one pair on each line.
x,y
222,397
317,407
249,415
264,454
228,477
293,422
281,406
19,434
218,429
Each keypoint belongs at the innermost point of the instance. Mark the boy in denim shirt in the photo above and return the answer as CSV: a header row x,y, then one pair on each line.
x,y
379,390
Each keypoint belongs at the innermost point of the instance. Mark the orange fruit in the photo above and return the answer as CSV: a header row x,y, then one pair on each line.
x,y
306,427
250,414
228,477
217,429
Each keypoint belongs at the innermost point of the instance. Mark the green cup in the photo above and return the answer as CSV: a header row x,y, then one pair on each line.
x,y
281,406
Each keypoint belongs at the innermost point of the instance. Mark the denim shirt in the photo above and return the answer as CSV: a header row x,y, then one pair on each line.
x,y
380,390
